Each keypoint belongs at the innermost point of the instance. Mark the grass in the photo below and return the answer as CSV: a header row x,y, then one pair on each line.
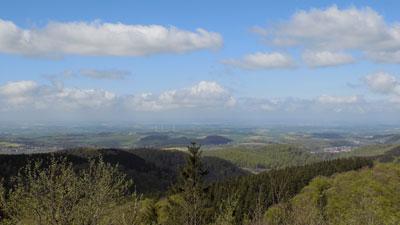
x,y
9,144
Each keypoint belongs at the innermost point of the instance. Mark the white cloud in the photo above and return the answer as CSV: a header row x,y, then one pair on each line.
x,y
338,30
386,56
262,61
105,74
204,94
29,95
205,99
383,83
102,39
326,58
327,99
18,88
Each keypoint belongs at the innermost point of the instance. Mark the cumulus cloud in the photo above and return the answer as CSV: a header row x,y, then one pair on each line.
x,y
326,58
105,74
18,88
336,30
102,39
383,83
204,94
262,61
29,95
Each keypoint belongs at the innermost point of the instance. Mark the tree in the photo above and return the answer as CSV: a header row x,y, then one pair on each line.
x,y
2,201
150,215
58,194
191,187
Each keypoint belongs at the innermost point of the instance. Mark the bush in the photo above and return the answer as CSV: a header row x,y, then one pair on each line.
x,y
58,194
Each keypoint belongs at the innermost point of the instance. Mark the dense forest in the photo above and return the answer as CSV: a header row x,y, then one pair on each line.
x,y
149,186
152,170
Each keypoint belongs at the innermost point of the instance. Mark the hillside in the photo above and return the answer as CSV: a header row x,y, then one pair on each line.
x,y
368,196
271,156
171,160
389,156
369,151
152,170
265,189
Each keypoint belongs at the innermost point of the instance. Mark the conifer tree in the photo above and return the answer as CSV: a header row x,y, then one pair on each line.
x,y
191,187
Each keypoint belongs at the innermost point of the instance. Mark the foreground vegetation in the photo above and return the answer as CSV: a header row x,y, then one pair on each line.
x,y
368,196
57,194
54,191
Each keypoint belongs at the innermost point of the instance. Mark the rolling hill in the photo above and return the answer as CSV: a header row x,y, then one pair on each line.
x,y
267,157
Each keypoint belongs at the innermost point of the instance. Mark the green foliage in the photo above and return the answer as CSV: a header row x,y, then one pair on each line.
x,y
151,211
191,188
368,196
269,157
2,201
392,155
276,186
57,194
226,213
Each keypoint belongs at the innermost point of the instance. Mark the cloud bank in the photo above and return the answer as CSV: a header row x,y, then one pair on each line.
x,y
31,96
206,99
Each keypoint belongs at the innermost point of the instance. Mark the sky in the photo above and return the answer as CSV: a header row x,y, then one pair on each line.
x,y
200,61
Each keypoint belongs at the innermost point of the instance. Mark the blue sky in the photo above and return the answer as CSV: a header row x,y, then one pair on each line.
x,y
203,61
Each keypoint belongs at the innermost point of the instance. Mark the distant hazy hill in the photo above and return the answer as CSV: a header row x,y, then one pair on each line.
x,y
272,156
390,139
326,135
158,140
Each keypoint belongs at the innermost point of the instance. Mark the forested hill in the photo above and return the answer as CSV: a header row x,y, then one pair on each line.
x,y
172,160
152,170
166,141
367,196
269,157
275,186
